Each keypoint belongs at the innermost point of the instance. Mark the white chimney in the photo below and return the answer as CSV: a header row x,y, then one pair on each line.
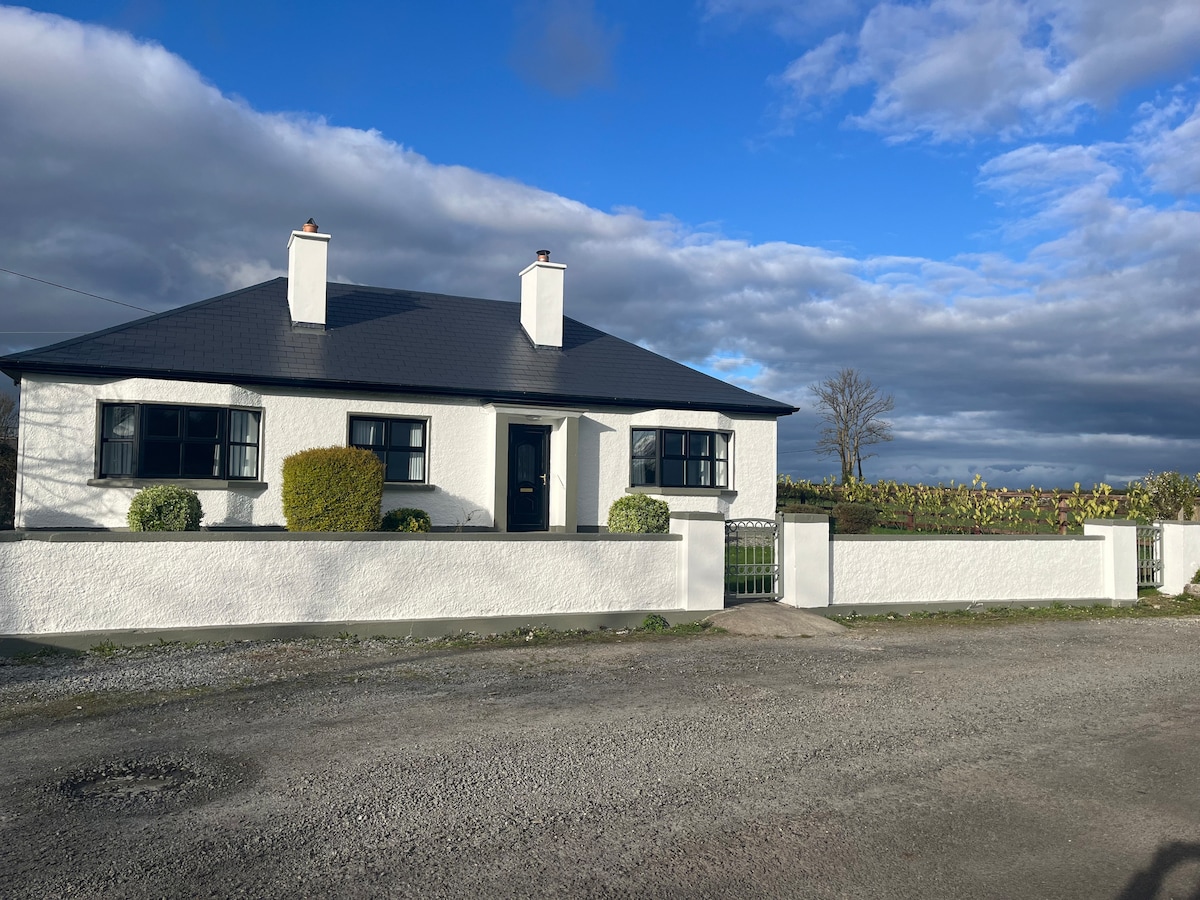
x,y
308,271
542,301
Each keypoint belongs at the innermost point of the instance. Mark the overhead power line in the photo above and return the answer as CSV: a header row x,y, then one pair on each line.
x,y
75,291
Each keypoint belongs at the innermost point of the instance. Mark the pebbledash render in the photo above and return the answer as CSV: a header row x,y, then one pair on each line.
x,y
486,414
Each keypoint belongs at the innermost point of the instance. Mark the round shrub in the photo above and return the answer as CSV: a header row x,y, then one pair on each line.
x,y
165,507
855,518
639,514
406,519
332,489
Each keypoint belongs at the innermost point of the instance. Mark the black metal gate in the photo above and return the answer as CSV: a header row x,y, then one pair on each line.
x,y
1149,555
752,560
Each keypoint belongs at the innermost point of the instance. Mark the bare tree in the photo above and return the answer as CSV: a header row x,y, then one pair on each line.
x,y
8,419
8,459
851,407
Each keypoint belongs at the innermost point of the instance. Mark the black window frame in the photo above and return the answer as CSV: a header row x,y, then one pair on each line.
x,y
688,460
142,441
383,448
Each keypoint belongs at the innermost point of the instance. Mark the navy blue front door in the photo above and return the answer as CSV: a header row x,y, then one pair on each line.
x,y
528,477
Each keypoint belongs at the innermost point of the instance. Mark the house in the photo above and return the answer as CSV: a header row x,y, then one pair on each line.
x,y
486,414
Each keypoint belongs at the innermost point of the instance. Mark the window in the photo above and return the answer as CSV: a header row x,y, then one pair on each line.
x,y
666,457
151,440
399,444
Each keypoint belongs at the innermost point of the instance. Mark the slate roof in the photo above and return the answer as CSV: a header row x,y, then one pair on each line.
x,y
395,341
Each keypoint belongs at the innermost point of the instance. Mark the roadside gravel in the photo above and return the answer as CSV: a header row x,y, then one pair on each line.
x,y
1053,760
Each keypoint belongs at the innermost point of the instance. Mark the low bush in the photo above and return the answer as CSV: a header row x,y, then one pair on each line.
x,y
165,507
332,489
655,623
855,518
639,514
406,518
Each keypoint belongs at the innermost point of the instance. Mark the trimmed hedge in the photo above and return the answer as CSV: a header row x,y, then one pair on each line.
x,y
332,489
165,507
639,514
855,518
406,518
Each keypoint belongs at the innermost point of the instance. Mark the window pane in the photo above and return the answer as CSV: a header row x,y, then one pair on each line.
x,y
202,460
698,473
160,459
407,434
645,443
673,443
404,465
366,433
243,426
722,445
672,473
162,421
644,471
118,421
204,423
698,443
243,462
722,474
400,465
116,459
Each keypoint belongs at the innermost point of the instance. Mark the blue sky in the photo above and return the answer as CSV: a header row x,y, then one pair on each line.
x,y
988,207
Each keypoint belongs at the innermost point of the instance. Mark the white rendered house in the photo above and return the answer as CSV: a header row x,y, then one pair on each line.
x,y
486,414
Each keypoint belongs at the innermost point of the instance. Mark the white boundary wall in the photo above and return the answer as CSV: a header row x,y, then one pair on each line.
x,y
60,582
820,570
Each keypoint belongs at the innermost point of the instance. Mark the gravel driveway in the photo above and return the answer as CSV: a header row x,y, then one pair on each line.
x,y
1051,760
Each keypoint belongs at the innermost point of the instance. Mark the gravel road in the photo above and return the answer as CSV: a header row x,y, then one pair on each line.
x,y
1055,760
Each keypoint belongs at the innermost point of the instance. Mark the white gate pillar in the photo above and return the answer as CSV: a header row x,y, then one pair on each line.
x,y
1180,554
1120,558
805,567
701,570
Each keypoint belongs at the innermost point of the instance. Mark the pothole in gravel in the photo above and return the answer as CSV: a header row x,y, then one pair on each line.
x,y
152,781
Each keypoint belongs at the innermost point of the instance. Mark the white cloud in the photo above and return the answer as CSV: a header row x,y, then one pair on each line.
x,y
1171,152
125,174
957,69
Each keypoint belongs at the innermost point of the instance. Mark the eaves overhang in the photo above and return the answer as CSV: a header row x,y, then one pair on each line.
x,y
15,367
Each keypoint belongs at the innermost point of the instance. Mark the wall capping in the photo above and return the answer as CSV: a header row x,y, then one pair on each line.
x,y
916,538
185,537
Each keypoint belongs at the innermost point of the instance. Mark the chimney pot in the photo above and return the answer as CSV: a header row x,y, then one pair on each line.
x,y
543,256
310,226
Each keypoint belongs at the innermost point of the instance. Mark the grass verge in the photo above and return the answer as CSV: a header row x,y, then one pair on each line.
x,y
1149,605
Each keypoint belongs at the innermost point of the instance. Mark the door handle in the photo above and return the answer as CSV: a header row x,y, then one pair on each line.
x,y
543,479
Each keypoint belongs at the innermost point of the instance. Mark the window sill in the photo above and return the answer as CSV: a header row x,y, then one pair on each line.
x,y
192,484
682,491
407,486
